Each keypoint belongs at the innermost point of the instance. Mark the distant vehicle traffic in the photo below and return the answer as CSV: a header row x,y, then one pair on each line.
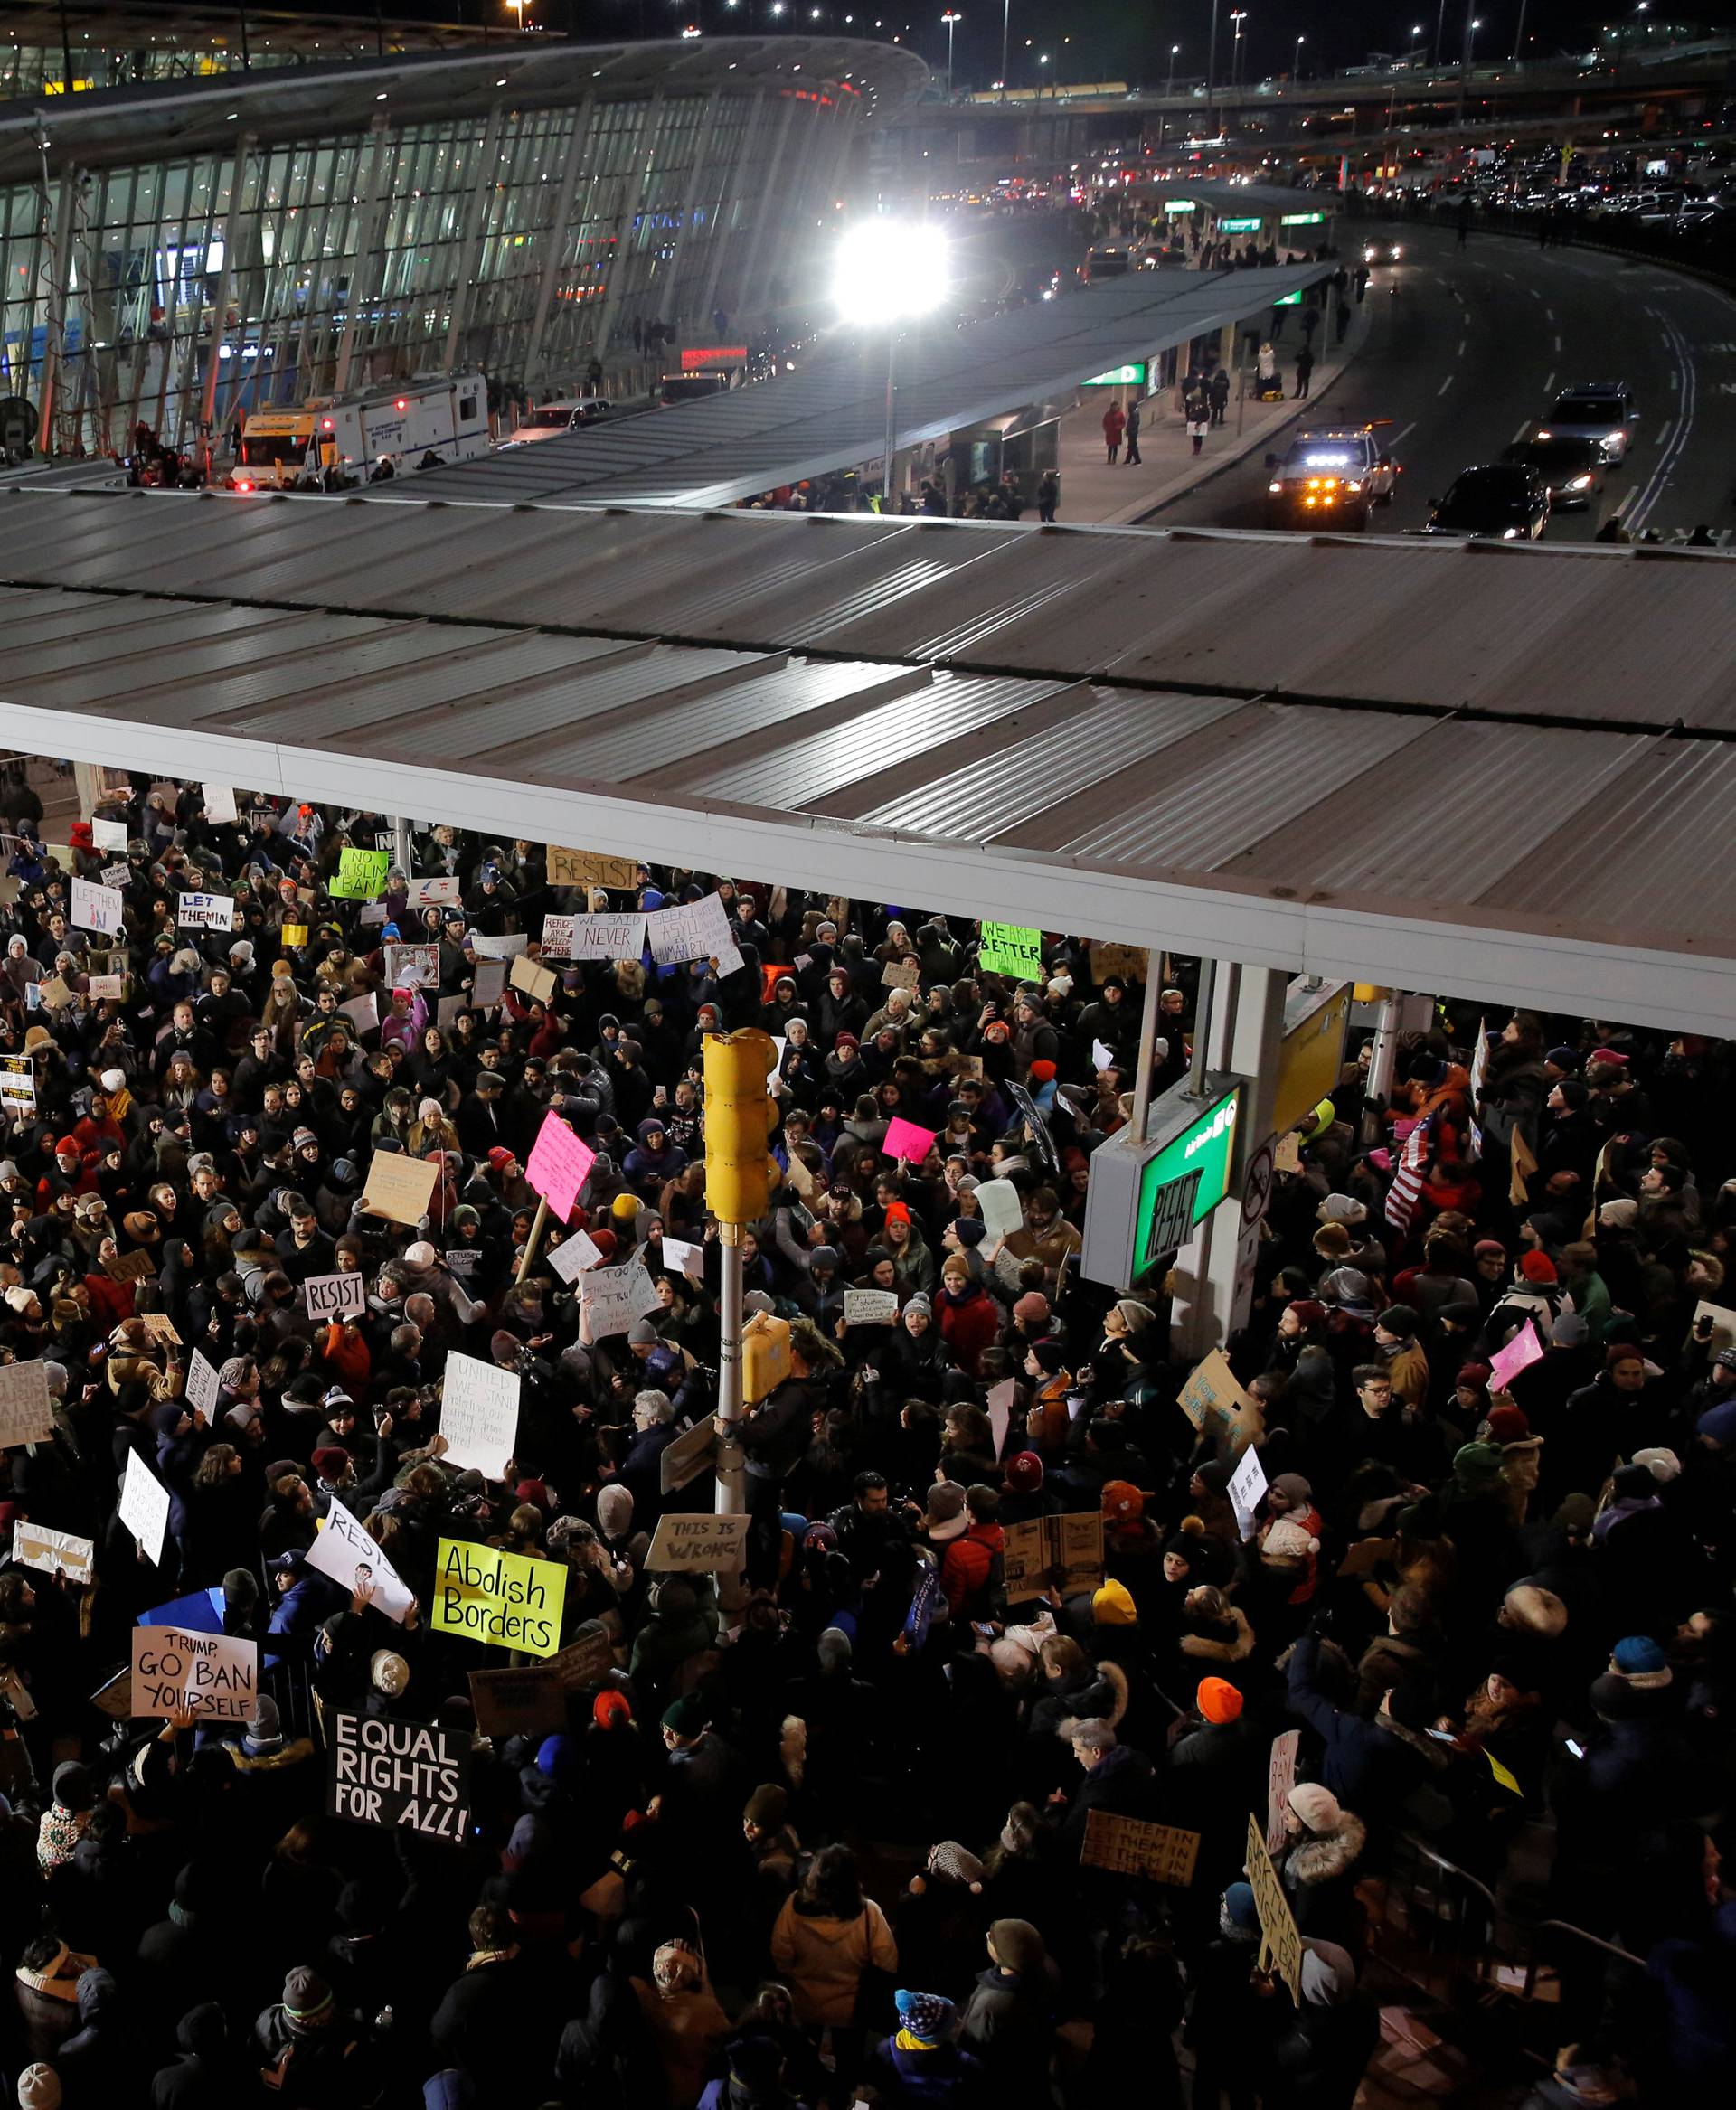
x,y
1571,469
548,420
1332,476
390,428
1597,410
691,388
1504,500
1383,251
1106,259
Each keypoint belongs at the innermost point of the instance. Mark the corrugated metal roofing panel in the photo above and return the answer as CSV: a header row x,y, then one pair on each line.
x,y
42,616
166,660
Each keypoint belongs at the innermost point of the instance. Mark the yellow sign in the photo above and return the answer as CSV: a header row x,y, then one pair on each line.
x,y
1280,1946
504,1598
1309,1061
590,868
294,934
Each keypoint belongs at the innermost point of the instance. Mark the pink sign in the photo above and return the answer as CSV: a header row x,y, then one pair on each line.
x,y
905,1139
1520,1353
559,1166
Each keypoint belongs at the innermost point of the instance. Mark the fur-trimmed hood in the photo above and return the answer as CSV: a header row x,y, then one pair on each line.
x,y
1114,1676
1322,1857
1233,1651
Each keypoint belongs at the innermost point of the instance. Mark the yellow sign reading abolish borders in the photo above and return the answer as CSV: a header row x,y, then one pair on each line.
x,y
504,1598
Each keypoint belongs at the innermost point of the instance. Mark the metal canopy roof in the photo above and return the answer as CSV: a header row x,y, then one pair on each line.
x,y
271,103
1247,199
831,413
1502,771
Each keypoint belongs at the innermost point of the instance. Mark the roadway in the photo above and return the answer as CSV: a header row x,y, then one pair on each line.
x,y
1467,349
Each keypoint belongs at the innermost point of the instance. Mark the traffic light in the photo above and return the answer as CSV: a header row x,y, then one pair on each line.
x,y
738,1115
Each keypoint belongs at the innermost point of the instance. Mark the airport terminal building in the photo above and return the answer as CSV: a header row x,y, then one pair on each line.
x,y
193,246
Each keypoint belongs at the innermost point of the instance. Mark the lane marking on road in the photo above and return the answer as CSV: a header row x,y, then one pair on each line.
x,y
1525,426
1445,385
1558,344
1660,479
1397,438
1665,434
1550,384
1460,352
1549,314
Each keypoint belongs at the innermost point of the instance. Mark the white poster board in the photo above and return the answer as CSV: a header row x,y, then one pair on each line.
x,y
336,1296
53,1552
1247,1483
613,1297
478,1415
144,1507
203,1387
342,1551
211,1674
96,907
573,1256
26,1415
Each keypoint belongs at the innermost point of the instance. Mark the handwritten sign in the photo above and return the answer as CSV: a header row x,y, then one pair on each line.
x,y
1723,1320
52,1552
499,948
17,1084
26,1415
116,875
901,974
1280,1946
431,893
106,834
613,1297
533,979
693,931
1128,961
684,1258
588,868
869,1308
107,988
507,1599
398,1774
1133,1846
1245,1486
98,908
999,1205
1013,949
478,1415
697,1542
1219,1409
336,1296
1520,1353
688,1456
219,803
573,1256
205,912
361,874
212,1674
1280,1778
342,1551
594,937
53,993
904,1139
400,1188
1035,1549
558,1165
490,985
205,1387
413,966
144,1507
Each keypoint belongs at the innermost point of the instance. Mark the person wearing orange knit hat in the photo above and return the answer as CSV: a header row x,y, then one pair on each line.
x,y
1218,1700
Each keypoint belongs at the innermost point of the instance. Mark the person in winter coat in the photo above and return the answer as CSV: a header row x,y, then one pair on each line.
x,y
1322,2057
756,2078
318,2056
920,2065
825,1940
1117,1778
969,1318
971,1562
1317,1867
684,2019
204,2075
1009,2021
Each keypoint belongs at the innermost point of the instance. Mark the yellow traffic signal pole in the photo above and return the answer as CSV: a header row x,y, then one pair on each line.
x,y
731,1488
737,1192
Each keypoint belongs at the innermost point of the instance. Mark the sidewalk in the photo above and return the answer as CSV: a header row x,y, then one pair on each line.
x,y
1093,493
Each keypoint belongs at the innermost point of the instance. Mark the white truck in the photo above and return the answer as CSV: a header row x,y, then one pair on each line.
x,y
397,422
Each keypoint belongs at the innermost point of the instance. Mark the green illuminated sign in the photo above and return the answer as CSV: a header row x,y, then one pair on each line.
x,y
1288,300
1131,375
1301,219
1239,226
1186,1181
1180,205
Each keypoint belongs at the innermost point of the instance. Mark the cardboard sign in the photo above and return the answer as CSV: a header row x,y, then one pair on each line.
x,y
361,874
52,1552
336,1296
1364,1557
507,1599
433,893
160,1327
693,931
204,1388
107,988
98,908
1128,961
1280,1778
536,981
342,1551
390,1774
694,1542
528,1702
144,1507
1520,1167
1244,1487
999,1206
219,803
212,1674
1219,1409
1280,1946
590,868
106,834
1000,1411
688,1456
490,984
400,1188
1132,1846
26,1415
870,1307
413,966
901,974
1520,1353
613,1297
133,1267
52,993
594,937
478,1415
573,1256
558,1165
1013,949
1287,1153
905,1140
205,912
1072,1544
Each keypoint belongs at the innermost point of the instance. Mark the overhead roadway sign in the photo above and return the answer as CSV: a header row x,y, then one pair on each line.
x,y
1145,1198
1131,375
1239,226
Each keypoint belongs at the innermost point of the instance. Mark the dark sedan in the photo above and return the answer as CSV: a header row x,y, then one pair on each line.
x,y
1503,500
1571,469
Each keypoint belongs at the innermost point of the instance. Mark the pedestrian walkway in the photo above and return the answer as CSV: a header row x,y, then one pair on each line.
x,y
1111,496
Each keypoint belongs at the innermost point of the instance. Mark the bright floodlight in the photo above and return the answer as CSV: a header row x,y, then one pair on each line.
x,y
888,270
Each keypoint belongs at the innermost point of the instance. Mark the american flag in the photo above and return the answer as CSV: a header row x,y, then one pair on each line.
x,y
1407,1181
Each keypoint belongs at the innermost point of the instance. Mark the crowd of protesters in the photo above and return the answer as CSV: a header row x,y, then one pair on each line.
x,y
819,1836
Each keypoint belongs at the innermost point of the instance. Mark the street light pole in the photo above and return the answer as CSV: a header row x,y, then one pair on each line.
x,y
1211,57
1519,34
1440,34
1006,24
1296,65
952,18
1169,86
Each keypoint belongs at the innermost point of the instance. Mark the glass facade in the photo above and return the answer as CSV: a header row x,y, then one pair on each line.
x,y
524,241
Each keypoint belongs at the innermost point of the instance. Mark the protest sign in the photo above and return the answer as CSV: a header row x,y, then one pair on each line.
x,y
499,948
413,966
400,1188
694,1542
594,937
292,935
527,1702
1133,1846
688,1456
144,1507
1280,1946
205,912
133,1267
446,1010
372,915
901,974
336,1296
1723,1320
1000,1207
479,1414
362,1012
98,908
342,1551
26,1415
573,1256
904,1139
106,834
107,988
1246,1485
490,984
116,875
1128,961
213,1674
681,1257
1520,1353
611,1298
431,893
1035,1125
398,1773
1219,1409
204,1388
53,1552
533,979
1010,948
219,803
1520,1167
1287,1156
1102,1055
1280,1778
558,1165
798,1174
160,1327
588,868
691,931
17,1085
52,993
869,1308
507,1599
361,874
1073,1544
1364,1557
1000,1410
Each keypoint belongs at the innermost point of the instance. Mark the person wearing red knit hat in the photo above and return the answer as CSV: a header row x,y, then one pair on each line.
x,y
1218,1700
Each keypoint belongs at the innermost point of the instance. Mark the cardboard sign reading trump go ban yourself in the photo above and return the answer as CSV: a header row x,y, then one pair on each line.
x,y
209,1673
697,1542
